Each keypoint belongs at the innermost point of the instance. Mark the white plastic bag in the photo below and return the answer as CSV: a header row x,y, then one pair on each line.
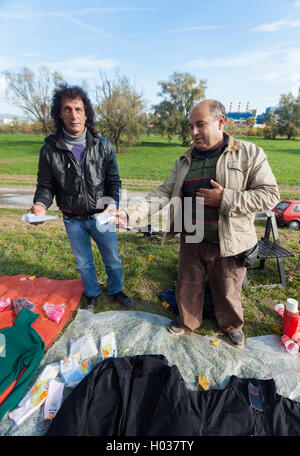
x,y
32,218
108,346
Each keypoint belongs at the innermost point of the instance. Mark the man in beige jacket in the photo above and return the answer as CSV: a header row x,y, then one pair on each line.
x,y
230,180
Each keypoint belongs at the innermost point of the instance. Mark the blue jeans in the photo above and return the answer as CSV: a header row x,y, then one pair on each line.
x,y
80,233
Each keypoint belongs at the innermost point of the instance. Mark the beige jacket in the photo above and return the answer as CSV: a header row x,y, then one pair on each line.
x,y
249,187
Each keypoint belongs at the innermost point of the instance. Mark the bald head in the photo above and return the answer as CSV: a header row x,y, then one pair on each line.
x,y
215,107
207,121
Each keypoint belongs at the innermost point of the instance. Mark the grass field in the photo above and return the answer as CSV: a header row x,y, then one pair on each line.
x,y
150,160
44,250
148,268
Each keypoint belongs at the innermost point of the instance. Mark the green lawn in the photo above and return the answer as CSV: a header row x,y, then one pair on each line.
x,y
150,159
153,158
19,153
44,251
141,168
283,156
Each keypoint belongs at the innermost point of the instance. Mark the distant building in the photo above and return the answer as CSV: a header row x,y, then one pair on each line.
x,y
6,119
260,119
239,116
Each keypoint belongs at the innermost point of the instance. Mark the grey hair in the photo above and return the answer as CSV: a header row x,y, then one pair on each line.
x,y
217,109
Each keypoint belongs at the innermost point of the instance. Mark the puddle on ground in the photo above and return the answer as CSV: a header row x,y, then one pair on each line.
x,y
16,199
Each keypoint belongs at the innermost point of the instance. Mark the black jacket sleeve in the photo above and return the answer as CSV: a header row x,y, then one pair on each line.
x,y
46,187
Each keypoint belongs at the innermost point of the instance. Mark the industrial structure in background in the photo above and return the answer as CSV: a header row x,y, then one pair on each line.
x,y
260,119
241,116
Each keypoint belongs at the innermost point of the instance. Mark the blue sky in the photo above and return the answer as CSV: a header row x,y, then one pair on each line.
x,y
247,51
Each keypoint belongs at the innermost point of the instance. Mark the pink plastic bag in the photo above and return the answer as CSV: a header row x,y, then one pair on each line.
x,y
54,311
4,303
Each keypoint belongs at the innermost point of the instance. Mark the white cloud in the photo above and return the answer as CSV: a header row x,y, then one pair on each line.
x,y
17,14
7,63
202,27
82,67
238,60
195,28
287,70
88,27
278,25
74,68
29,54
280,66
113,10
297,4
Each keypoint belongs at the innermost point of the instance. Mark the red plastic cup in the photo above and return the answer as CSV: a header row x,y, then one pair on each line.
x,y
291,347
279,308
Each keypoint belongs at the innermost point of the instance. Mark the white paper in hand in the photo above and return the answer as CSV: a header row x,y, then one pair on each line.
x,y
103,218
32,218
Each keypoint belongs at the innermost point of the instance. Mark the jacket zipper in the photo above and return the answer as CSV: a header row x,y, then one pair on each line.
x,y
255,413
82,177
128,402
85,192
83,181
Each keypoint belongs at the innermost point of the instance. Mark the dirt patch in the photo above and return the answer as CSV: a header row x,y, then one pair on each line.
x,y
14,222
12,160
289,189
10,222
153,183
30,178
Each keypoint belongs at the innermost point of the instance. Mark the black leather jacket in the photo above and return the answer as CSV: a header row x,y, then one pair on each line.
x,y
79,192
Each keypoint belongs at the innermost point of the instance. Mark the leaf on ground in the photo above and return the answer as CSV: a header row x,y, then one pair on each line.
x,y
203,382
215,342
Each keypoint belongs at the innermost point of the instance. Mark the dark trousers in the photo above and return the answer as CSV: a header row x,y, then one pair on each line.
x,y
225,275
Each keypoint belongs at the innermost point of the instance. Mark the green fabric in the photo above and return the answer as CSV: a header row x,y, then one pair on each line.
x,y
23,347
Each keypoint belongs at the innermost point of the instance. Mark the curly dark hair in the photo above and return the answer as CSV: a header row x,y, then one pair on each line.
x,y
72,92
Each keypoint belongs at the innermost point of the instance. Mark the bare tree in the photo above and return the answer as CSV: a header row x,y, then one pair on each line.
x,y
120,110
32,93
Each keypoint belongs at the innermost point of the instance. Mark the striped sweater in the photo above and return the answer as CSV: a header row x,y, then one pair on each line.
x,y
202,169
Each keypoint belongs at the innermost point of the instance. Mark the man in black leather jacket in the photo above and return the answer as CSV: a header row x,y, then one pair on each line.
x,y
79,168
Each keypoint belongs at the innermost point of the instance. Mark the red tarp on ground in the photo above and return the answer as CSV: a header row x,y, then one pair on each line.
x,y
39,291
